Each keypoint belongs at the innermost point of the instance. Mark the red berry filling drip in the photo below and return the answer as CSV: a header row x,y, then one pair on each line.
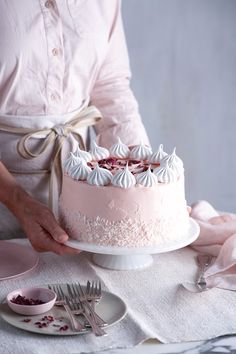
x,y
115,164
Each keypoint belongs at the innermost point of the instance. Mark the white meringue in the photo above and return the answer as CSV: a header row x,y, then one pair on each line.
x,y
119,150
80,171
147,178
71,162
174,162
140,152
165,174
85,155
158,156
99,176
98,152
124,179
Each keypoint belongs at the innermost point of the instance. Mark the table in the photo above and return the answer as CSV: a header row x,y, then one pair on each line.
x,y
225,344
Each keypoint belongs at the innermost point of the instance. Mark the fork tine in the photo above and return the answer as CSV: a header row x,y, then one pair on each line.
x,y
55,289
69,290
71,302
72,295
99,292
75,292
81,290
91,289
92,295
94,289
51,288
88,289
60,291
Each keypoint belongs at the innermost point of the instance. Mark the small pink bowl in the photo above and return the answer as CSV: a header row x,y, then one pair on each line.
x,y
45,295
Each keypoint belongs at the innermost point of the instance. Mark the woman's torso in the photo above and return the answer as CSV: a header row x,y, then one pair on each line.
x,y
51,52
50,55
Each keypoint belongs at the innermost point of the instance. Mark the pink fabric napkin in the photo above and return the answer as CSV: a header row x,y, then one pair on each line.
x,y
218,238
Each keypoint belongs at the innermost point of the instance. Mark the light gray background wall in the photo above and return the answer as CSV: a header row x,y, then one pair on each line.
x,y
183,60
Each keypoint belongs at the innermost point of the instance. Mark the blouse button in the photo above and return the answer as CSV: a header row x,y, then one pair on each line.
x,y
49,4
53,97
55,52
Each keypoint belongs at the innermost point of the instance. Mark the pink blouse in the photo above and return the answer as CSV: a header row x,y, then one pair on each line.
x,y
57,54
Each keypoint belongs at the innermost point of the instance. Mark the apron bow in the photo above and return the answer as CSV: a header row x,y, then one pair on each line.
x,y
61,130
56,135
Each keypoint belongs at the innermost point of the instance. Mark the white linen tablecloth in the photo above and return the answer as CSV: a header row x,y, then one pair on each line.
x,y
158,306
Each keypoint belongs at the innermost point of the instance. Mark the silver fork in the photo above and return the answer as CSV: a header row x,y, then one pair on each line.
x,y
84,298
62,300
94,292
75,301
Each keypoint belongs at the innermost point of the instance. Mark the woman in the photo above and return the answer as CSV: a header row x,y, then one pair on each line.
x,y
57,59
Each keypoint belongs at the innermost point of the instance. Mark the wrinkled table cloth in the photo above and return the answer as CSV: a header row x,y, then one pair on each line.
x,y
217,238
158,305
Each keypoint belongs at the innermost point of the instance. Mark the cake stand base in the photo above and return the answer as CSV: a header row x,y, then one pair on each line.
x,y
122,262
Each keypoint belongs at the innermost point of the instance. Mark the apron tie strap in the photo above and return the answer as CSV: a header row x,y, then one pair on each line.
x,y
56,135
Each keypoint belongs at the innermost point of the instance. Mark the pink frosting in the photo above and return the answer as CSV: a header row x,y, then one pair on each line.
x,y
113,203
115,216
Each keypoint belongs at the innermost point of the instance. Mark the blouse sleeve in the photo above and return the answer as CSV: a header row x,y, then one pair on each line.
x,y
113,96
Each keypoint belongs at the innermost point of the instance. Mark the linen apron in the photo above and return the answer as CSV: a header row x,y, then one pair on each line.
x,y
34,148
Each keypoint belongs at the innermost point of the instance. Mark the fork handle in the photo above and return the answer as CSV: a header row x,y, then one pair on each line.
x,y
76,325
97,318
97,330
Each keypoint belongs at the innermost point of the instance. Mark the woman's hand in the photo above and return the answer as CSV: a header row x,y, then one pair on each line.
x,y
36,219
40,225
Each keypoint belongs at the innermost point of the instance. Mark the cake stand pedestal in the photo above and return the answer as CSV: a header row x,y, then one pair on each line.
x,y
122,262
127,258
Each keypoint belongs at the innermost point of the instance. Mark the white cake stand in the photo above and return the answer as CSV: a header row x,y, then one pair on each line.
x,y
125,258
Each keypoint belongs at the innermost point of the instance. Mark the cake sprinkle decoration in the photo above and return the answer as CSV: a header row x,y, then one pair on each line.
x,y
99,176
119,150
124,179
147,178
140,152
98,152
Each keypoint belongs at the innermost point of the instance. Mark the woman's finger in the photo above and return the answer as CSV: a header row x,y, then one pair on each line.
x,y
43,242
50,224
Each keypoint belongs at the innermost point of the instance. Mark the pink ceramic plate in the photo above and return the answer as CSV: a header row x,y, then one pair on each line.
x,y
16,260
